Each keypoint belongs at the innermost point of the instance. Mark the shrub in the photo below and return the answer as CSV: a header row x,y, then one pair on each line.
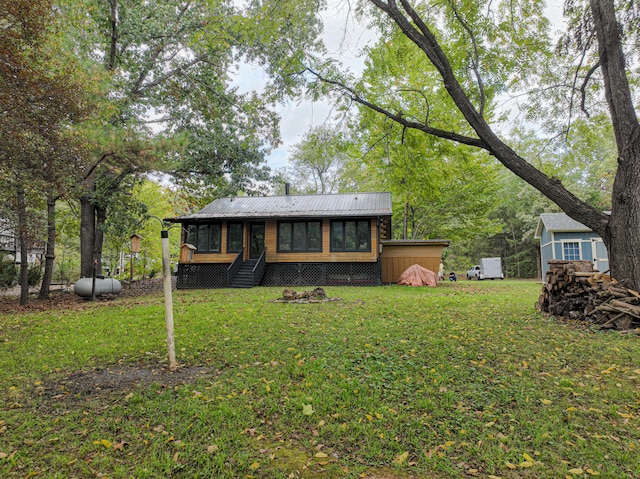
x,y
34,273
8,273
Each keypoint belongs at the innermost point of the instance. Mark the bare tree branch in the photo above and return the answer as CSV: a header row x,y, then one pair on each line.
x,y
583,87
475,63
398,117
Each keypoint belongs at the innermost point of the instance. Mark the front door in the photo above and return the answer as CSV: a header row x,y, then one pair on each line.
x,y
257,240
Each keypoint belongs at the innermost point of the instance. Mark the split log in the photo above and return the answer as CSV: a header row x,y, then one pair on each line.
x,y
574,292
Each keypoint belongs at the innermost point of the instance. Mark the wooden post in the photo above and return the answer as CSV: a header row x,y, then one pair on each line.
x,y
168,299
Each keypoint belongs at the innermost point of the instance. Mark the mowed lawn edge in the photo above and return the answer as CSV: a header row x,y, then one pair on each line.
x,y
462,380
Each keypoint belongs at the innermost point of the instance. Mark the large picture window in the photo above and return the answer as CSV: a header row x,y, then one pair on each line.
x,y
205,237
234,237
352,235
571,251
294,236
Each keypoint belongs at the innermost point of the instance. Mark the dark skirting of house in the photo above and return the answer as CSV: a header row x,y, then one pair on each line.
x,y
196,276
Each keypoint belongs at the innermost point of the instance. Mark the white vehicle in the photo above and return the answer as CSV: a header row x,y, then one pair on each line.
x,y
489,268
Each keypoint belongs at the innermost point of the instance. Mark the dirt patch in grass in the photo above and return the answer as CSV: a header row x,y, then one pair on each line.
x,y
98,383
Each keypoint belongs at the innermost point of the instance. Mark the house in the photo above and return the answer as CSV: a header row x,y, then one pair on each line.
x,y
563,238
10,246
285,240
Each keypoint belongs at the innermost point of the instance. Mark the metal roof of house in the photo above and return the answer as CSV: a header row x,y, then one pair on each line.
x,y
295,206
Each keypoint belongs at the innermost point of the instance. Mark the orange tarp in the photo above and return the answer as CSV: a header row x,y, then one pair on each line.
x,y
416,275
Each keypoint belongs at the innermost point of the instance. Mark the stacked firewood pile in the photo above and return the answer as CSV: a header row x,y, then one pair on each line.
x,y
573,291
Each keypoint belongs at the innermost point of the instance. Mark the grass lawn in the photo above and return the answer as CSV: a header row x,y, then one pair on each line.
x,y
462,380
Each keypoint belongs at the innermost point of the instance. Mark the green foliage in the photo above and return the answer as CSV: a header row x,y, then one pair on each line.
x,y
440,190
153,202
67,262
317,163
34,275
8,272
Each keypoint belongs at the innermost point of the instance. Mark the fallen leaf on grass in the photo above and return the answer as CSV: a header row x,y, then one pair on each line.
x,y
400,458
119,446
307,409
576,471
528,461
104,442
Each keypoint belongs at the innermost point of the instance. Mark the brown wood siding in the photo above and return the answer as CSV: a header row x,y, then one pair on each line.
x,y
396,259
271,226
215,257
326,256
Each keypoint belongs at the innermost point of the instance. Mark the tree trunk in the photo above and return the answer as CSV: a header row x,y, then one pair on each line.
x,y
50,253
101,218
621,236
405,221
87,236
24,246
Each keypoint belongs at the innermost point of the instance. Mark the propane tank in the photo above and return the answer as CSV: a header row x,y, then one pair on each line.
x,y
84,286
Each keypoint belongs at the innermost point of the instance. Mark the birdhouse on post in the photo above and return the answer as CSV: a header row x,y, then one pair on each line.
x,y
186,253
135,243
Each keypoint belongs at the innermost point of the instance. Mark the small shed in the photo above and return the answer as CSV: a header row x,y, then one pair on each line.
x,y
398,255
563,238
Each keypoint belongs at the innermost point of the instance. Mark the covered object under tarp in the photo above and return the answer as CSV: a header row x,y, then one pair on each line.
x,y
416,275
398,255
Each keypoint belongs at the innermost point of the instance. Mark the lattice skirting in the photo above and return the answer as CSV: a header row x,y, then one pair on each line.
x,y
321,274
194,276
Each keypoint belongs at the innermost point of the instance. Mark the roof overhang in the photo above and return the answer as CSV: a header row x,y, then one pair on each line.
x,y
428,242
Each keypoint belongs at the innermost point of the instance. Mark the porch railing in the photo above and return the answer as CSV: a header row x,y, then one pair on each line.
x,y
260,266
234,267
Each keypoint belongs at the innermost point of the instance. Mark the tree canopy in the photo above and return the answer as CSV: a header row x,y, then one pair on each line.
x,y
481,51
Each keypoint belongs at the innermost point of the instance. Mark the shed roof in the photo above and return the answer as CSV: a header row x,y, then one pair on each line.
x,y
560,223
295,206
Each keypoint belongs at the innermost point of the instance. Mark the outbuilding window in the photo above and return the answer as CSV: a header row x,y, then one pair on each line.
x,y
571,251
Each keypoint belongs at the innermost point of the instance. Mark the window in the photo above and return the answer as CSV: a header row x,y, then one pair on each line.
x,y
571,251
351,235
234,237
205,237
299,236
